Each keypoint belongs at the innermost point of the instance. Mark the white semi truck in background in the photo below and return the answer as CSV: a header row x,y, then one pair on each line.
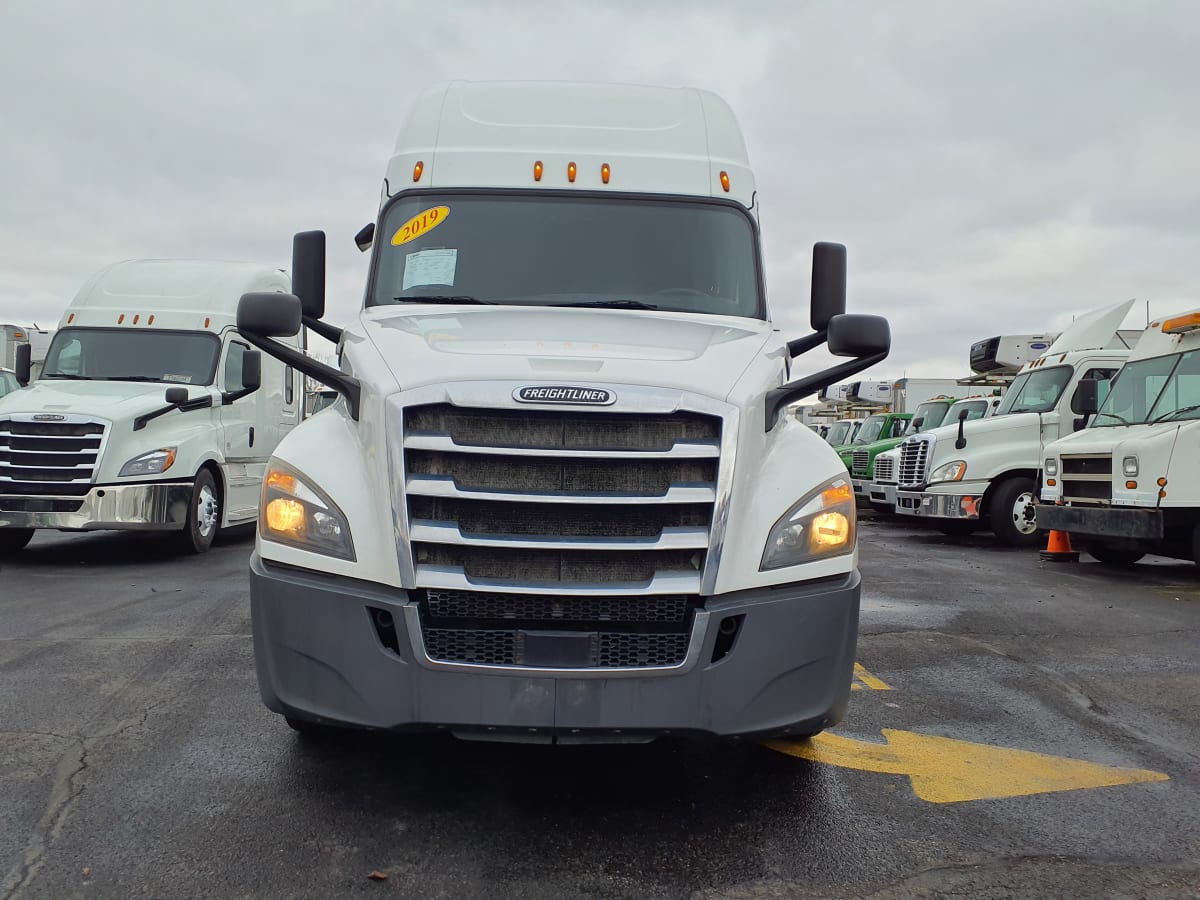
x,y
558,499
1126,485
962,476
151,413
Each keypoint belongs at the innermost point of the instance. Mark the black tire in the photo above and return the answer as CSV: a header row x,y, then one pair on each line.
x,y
13,540
1012,512
958,527
203,515
1113,556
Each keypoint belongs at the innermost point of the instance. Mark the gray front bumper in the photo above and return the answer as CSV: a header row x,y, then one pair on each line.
x,y
1116,522
133,507
881,493
319,657
938,506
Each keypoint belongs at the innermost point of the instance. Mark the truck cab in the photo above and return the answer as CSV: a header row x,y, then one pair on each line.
x,y
151,412
1125,485
560,497
878,430
963,476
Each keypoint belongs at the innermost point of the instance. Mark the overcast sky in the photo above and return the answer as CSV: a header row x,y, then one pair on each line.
x,y
993,167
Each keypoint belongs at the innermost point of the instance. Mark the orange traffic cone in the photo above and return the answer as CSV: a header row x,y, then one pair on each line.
x,y
1058,548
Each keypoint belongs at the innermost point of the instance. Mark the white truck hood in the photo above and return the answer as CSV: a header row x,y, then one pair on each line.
x,y
113,400
702,354
1115,439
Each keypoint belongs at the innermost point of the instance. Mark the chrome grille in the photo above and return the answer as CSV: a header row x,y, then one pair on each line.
x,y
49,458
860,460
914,460
1087,478
885,468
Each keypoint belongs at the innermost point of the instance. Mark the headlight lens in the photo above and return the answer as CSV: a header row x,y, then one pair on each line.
x,y
819,526
1129,465
153,463
1051,466
297,513
951,471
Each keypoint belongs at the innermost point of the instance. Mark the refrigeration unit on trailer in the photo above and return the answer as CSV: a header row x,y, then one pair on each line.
x,y
870,393
965,475
151,413
560,497
1126,485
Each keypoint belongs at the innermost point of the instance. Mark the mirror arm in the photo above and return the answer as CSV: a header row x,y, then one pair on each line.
x,y
960,442
324,329
776,398
228,397
199,403
348,387
809,342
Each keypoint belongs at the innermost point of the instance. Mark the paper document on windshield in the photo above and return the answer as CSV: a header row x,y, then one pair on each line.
x,y
429,267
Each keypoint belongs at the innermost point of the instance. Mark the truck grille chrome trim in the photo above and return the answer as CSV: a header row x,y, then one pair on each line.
x,y
915,454
860,460
885,469
45,458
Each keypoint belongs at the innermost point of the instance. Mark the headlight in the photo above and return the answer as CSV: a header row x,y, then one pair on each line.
x,y
1051,466
153,463
299,514
951,471
1129,465
819,526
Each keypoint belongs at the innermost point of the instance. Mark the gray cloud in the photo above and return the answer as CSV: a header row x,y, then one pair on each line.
x,y
993,167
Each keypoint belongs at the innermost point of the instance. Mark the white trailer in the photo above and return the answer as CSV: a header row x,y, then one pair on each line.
x,y
1126,485
14,336
151,413
526,518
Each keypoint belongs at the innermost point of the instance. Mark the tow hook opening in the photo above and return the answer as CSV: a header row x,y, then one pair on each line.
x,y
727,631
385,628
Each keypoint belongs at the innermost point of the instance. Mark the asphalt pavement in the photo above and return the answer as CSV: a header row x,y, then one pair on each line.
x,y
1019,728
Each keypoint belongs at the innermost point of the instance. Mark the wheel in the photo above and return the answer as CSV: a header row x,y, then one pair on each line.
x,y
1113,556
1012,512
958,527
13,540
204,515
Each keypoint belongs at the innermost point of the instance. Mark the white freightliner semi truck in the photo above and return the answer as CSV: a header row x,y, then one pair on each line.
x,y
560,497
1126,485
151,413
966,475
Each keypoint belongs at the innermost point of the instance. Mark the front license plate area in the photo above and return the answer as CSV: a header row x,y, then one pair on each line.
x,y
557,649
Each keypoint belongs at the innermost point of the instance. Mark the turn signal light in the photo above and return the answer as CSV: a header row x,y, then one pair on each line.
x,y
725,181
537,170
281,480
1051,482
572,171
1131,485
605,172
1162,482
417,170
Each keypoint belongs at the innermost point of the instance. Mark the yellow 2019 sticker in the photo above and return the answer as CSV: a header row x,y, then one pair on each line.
x,y
419,224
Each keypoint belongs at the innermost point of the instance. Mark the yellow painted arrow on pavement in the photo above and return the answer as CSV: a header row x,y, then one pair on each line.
x,y
944,770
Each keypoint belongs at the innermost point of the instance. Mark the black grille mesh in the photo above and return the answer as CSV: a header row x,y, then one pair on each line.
x,y
499,648
552,567
541,608
482,517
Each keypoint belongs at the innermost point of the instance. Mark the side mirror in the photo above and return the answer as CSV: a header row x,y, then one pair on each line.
x,y
308,272
365,237
917,423
269,315
1086,399
176,395
23,364
963,414
859,335
828,284
251,371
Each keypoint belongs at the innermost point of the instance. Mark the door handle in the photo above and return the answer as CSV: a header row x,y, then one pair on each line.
x,y
251,435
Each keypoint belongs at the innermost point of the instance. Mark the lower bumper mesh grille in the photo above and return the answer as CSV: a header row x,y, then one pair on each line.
x,y
611,650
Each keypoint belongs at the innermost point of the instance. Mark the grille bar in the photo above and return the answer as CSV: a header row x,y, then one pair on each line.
x,y
885,468
860,459
684,538
681,449
444,486
49,458
914,460
455,578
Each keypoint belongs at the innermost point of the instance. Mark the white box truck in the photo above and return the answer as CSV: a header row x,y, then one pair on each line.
x,y
151,412
965,475
1126,485
559,499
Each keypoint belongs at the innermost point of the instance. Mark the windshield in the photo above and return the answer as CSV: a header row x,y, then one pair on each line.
x,y
123,354
1163,388
975,409
869,432
8,383
837,433
1036,391
578,250
931,414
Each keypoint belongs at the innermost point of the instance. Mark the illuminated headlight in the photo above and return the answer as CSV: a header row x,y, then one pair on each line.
x,y
951,471
1129,465
1051,466
153,463
298,514
819,526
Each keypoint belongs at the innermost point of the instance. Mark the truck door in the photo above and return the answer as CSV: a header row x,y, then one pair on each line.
x,y
241,434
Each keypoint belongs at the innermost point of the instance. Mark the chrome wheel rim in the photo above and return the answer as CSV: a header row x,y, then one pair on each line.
x,y
206,511
1024,513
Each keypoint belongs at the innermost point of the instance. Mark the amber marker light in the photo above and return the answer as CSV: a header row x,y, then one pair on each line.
x,y
725,181
1131,485
605,173
1051,482
417,170
538,169
572,171
121,319
1181,324
281,480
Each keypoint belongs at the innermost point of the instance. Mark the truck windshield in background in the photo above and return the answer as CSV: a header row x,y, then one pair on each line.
x,y
930,414
1159,389
869,432
837,433
8,383
577,250
1036,391
121,354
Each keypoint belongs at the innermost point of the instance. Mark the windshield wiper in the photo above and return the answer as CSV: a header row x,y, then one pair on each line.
x,y
67,377
129,378
443,298
1174,412
609,304
1121,419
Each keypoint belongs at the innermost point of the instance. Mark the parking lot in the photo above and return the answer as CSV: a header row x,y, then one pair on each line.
x,y
1019,727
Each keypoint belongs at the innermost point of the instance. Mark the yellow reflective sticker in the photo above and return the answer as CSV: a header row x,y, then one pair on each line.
x,y
419,224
